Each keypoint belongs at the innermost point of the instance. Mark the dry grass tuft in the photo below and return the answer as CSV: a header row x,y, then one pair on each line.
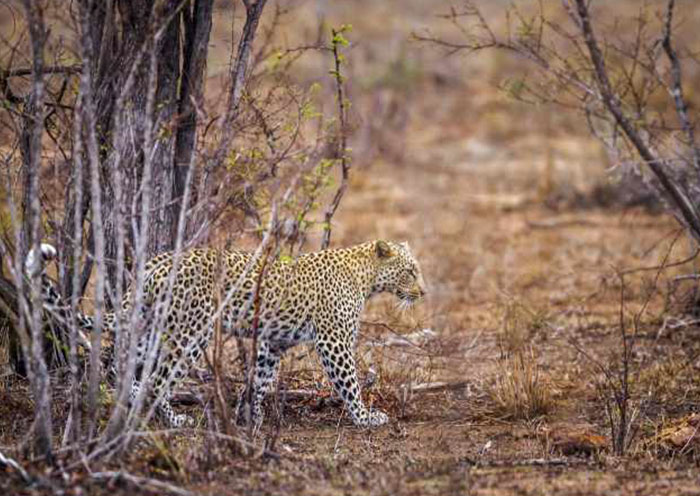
x,y
520,390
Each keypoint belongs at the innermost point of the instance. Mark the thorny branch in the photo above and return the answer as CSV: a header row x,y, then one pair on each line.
x,y
337,41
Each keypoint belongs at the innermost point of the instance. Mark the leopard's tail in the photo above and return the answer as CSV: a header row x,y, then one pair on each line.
x,y
54,303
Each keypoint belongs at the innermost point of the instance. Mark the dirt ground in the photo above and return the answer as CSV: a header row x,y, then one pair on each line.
x,y
501,387
483,252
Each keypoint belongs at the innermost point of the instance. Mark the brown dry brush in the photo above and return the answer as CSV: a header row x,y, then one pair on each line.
x,y
613,382
630,88
619,372
145,168
631,91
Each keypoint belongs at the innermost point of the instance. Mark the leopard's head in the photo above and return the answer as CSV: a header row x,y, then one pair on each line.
x,y
398,271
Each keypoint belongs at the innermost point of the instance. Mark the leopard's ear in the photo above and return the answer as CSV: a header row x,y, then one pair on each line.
x,y
383,249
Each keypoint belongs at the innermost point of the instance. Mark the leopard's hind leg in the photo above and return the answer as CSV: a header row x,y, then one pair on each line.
x,y
267,365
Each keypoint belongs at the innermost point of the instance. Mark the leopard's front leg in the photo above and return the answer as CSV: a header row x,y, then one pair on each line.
x,y
339,364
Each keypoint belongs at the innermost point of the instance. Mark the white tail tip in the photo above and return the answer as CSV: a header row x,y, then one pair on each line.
x,y
33,264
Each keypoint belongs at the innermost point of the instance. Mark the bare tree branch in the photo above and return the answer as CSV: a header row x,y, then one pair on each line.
x,y
89,119
341,139
685,206
677,87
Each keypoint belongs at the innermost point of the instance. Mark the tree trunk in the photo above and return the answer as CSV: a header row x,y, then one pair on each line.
x,y
197,24
34,129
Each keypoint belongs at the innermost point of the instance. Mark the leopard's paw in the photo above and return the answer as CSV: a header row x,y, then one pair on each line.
x,y
377,418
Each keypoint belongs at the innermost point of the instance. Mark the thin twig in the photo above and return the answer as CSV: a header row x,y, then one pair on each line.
x,y
341,153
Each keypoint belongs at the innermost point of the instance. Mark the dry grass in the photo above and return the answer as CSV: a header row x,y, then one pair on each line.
x,y
520,389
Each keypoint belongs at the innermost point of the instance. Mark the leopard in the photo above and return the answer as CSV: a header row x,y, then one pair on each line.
x,y
316,297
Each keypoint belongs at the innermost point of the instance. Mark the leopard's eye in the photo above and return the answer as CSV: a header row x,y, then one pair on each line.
x,y
412,273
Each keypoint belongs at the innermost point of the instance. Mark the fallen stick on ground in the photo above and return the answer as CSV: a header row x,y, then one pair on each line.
x,y
557,223
432,387
152,485
530,462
